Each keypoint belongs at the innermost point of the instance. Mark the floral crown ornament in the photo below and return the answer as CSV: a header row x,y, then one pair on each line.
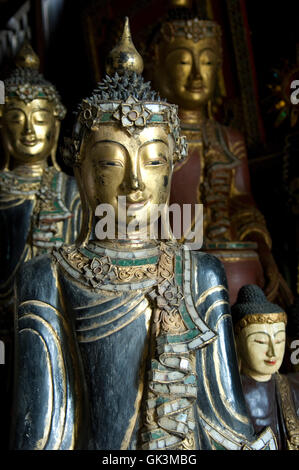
x,y
193,28
27,84
127,100
182,23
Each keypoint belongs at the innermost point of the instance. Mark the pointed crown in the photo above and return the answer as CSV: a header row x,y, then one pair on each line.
x,y
124,98
27,84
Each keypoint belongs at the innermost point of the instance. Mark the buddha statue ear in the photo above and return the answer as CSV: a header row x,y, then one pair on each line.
x,y
4,157
87,215
54,149
219,92
238,351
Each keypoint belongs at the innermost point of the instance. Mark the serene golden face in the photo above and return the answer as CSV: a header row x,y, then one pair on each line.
x,y
29,130
261,348
187,71
139,167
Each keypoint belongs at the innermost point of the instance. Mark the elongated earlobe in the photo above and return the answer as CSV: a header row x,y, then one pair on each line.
x,y
86,224
54,149
4,155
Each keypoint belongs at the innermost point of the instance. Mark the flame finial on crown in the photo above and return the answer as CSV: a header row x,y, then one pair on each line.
x,y
26,57
124,56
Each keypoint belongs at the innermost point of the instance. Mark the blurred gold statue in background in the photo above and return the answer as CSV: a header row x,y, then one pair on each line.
x,y
39,204
187,55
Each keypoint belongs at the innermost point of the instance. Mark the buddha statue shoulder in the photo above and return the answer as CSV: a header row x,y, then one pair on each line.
x,y
39,204
126,341
186,56
272,398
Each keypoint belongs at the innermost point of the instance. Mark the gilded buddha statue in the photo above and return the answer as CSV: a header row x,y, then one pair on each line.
x,y
186,54
272,398
39,204
127,343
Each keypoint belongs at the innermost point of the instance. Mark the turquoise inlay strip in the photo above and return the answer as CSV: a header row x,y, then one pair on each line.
x,y
54,181
191,379
58,211
136,262
155,434
182,338
162,400
122,262
217,445
156,118
106,117
178,265
193,331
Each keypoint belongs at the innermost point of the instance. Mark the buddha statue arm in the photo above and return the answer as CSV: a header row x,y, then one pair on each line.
x,y
59,212
49,386
221,404
248,222
247,219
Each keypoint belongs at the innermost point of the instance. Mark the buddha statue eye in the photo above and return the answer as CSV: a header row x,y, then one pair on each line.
x,y
279,341
260,341
107,163
15,117
41,117
155,163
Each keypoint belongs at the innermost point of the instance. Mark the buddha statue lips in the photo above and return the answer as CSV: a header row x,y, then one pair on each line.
x,y
195,87
126,330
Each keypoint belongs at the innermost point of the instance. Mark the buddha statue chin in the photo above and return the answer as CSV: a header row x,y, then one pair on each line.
x,y
116,338
187,56
39,204
272,399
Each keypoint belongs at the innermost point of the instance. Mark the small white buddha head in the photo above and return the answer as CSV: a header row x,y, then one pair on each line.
x,y
260,332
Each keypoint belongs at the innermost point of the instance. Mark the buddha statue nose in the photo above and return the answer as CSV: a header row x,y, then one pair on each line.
x,y
28,127
136,183
196,75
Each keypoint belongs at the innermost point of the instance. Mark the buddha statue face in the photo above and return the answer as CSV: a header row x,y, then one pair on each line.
x,y
29,130
261,348
187,71
139,167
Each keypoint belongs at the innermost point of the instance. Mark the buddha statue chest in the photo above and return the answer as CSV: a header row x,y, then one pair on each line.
x,y
139,332
37,213
112,330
